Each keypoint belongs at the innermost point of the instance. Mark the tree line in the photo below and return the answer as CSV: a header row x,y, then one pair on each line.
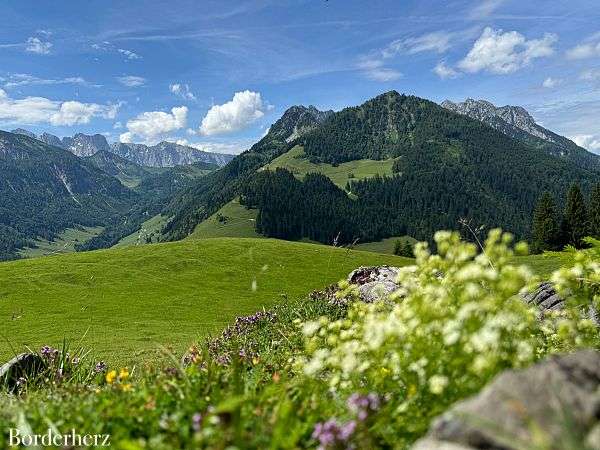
x,y
553,229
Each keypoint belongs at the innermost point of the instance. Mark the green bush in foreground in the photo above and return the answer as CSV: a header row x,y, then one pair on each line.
x,y
332,372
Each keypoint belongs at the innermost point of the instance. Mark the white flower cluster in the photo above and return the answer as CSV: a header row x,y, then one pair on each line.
x,y
456,321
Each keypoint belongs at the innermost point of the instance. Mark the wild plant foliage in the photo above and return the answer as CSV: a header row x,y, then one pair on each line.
x,y
457,321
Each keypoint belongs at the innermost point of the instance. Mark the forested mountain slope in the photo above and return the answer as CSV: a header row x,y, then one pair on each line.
x,y
45,189
516,122
207,195
448,167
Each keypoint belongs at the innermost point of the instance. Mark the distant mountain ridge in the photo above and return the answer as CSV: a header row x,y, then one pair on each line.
x,y
516,122
163,154
45,190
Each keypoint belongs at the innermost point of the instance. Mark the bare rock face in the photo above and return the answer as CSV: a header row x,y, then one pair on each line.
x,y
374,283
553,401
25,365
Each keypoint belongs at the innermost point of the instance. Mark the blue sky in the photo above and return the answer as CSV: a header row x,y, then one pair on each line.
x,y
216,74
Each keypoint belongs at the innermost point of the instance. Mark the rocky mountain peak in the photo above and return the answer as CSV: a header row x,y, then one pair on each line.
x,y
297,120
24,133
86,145
499,117
50,139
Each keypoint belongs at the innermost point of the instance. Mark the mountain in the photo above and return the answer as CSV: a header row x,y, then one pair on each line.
x,y
127,172
163,154
46,189
516,122
24,132
50,139
85,145
205,196
167,154
446,167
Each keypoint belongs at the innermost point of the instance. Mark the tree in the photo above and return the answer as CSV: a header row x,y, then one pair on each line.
x,y
575,222
545,228
595,211
403,248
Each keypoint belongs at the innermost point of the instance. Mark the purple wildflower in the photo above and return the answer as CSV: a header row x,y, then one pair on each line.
x,y
48,352
196,421
332,434
362,405
100,367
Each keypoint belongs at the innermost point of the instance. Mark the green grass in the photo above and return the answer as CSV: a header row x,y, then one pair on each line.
x,y
64,243
543,265
297,163
238,222
150,227
383,246
126,303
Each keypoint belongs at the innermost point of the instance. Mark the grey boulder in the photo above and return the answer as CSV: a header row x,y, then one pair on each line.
x,y
556,401
23,366
374,283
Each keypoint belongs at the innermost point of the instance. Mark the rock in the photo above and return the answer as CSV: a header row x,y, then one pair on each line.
x,y
25,365
546,298
374,283
554,400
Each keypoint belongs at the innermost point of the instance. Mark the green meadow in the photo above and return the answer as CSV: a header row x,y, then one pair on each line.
x,y
132,304
296,162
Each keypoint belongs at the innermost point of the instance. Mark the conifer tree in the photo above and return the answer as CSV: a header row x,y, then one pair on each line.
x,y
594,212
575,222
545,228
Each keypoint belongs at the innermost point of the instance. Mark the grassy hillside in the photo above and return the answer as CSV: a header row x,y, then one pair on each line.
x,y
296,162
232,220
125,303
150,229
383,246
64,243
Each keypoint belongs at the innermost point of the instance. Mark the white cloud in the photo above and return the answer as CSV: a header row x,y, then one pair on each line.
x,y
108,47
131,81
375,70
438,42
128,53
24,79
551,82
590,75
36,45
182,90
237,114
33,110
154,125
589,48
485,8
445,72
588,141
503,53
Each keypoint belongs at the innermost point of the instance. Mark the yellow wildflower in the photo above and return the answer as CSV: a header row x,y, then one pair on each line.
x,y
111,376
123,374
